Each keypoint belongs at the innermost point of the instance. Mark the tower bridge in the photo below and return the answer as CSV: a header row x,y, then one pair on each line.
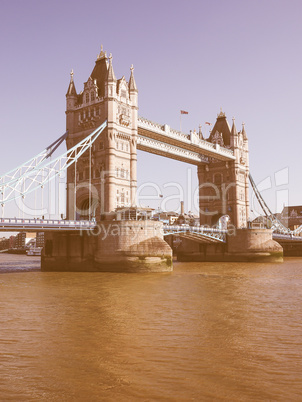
x,y
103,134
222,159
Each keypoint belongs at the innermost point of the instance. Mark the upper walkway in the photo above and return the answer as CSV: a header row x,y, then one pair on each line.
x,y
165,141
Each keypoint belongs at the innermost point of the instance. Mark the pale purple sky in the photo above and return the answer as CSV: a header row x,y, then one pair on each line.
x,y
243,56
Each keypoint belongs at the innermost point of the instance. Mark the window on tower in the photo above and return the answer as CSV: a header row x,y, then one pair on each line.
x,y
92,96
87,98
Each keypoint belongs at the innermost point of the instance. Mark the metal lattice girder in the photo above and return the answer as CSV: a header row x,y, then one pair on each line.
x,y
276,224
297,231
36,176
196,233
14,174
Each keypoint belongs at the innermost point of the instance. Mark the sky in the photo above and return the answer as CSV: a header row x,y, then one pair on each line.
x,y
239,55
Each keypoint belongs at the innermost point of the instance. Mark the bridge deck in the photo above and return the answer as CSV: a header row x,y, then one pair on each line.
x,y
287,238
199,234
42,225
162,140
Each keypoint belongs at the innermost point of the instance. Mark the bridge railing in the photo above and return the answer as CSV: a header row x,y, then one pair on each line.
x,y
197,229
289,236
211,232
163,129
37,222
186,138
171,149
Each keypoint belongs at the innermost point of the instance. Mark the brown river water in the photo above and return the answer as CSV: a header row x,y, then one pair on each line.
x,y
206,332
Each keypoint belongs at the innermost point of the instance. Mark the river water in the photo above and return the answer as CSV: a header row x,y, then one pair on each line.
x,y
207,331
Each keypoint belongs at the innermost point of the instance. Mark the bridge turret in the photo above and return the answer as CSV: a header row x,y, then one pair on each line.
x,y
234,134
71,94
132,87
71,102
133,94
110,86
244,132
241,179
200,133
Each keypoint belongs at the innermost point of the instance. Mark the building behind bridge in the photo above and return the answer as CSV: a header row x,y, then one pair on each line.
x,y
22,240
291,216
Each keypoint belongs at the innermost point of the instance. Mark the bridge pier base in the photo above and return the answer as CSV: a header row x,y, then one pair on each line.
x,y
247,245
114,246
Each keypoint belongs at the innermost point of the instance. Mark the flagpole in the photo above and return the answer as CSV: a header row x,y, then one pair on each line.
x,y
180,121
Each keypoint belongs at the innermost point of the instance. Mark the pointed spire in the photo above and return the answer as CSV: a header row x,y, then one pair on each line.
x,y
234,130
110,73
221,114
71,88
244,132
102,54
223,127
132,83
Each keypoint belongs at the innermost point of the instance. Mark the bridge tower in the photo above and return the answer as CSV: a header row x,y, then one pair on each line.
x,y
104,178
223,186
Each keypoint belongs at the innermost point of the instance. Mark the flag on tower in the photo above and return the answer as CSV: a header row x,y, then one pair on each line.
x,y
183,112
208,123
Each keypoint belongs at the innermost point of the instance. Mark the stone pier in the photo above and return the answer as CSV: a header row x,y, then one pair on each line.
x,y
254,245
114,246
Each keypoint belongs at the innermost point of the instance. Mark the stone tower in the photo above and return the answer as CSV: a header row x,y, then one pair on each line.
x,y
110,169
223,186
